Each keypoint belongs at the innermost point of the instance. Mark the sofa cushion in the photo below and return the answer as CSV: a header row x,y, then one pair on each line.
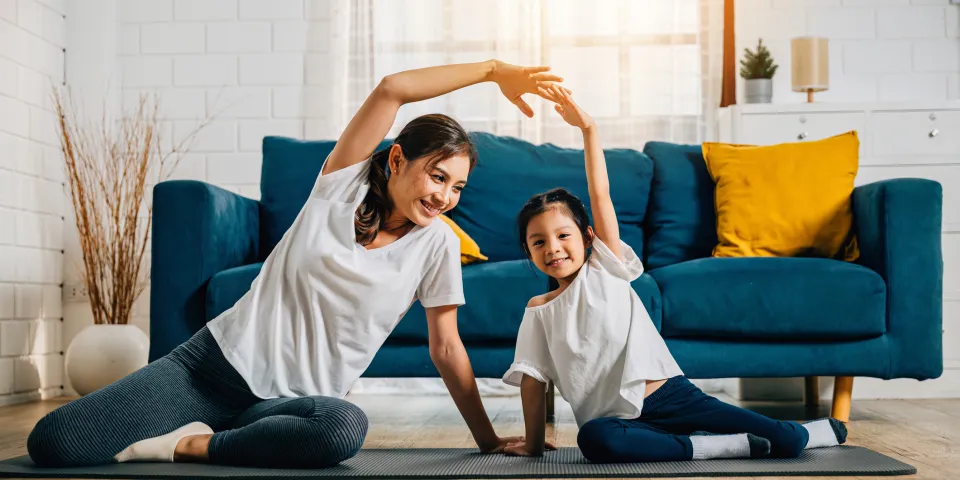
x,y
681,223
785,200
649,293
288,173
227,286
771,299
496,294
510,171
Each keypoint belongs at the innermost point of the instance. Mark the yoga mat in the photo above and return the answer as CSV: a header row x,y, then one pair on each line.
x,y
467,463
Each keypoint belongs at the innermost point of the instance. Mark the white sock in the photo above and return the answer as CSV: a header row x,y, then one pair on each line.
x,y
821,434
160,449
706,447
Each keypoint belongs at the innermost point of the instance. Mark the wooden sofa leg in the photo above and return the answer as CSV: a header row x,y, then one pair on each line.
x,y
842,391
550,396
811,391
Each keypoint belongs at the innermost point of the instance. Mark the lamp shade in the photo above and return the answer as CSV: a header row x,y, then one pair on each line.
x,y
810,65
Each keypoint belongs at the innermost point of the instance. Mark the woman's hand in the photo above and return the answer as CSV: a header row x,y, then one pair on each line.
x,y
569,110
520,449
515,81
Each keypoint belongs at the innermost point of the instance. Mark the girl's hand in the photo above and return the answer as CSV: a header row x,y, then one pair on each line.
x,y
500,445
520,449
569,110
515,81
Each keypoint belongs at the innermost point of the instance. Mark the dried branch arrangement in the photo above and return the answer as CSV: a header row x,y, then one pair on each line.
x,y
110,165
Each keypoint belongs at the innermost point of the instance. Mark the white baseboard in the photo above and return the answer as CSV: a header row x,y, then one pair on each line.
x,y
864,388
25,397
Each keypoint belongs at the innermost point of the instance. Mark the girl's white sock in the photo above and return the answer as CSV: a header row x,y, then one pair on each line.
x,y
825,432
160,449
739,445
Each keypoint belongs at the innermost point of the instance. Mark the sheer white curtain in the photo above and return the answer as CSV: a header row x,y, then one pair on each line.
x,y
645,69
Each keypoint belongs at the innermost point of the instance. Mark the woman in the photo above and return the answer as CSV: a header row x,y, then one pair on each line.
x,y
269,374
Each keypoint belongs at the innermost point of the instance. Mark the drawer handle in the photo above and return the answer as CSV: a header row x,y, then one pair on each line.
x,y
802,136
933,133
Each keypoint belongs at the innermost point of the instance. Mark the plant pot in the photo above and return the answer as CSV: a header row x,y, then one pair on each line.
x,y
102,354
758,90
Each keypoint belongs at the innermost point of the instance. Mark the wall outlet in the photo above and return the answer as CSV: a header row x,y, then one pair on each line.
x,y
76,292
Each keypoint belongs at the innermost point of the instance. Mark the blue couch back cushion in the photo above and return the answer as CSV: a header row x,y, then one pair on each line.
x,y
289,171
681,223
510,171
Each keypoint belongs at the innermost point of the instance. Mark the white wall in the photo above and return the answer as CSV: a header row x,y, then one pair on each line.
x,y
880,50
267,59
32,37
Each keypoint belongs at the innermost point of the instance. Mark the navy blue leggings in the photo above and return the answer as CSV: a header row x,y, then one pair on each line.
x,y
195,383
670,414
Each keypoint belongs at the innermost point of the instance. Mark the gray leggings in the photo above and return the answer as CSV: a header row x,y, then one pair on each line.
x,y
195,383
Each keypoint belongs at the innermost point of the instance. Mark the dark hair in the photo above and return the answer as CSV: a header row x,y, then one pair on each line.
x,y
541,202
434,137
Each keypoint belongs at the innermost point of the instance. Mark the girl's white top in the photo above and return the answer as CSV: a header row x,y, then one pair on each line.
x,y
595,340
323,304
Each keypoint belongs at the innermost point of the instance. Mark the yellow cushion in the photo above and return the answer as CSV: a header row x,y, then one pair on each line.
x,y
786,200
469,250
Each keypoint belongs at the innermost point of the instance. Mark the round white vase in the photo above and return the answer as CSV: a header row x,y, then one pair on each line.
x,y
102,354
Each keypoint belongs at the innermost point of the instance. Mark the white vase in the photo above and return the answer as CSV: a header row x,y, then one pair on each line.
x,y
102,354
758,90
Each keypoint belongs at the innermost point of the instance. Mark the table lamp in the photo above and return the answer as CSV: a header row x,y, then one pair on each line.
x,y
810,66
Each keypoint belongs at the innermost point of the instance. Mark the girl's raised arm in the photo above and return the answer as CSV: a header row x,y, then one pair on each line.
x,y
604,217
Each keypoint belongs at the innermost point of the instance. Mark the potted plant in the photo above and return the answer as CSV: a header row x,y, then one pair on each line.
x,y
109,166
757,69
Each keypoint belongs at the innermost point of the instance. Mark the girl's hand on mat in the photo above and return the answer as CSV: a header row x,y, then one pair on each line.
x,y
515,81
520,449
569,110
500,445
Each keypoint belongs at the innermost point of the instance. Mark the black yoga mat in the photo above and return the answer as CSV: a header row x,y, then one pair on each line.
x,y
467,463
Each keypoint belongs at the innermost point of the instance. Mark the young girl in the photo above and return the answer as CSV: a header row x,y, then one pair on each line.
x,y
593,338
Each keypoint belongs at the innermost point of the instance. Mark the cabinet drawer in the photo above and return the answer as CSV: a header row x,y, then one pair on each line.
x,y
910,134
769,129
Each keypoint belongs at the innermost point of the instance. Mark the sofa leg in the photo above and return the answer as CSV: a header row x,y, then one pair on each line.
x,y
842,391
811,391
550,396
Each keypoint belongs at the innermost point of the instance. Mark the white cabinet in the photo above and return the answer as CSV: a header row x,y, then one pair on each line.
x,y
766,129
891,135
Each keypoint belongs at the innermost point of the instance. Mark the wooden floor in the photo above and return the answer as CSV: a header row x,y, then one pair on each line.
x,y
923,433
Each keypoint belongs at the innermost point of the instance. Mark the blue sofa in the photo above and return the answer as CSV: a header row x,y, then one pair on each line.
x,y
721,317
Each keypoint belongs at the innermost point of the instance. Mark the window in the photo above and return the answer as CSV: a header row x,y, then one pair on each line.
x,y
637,66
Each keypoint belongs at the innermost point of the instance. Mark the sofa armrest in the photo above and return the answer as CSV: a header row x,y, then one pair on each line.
x,y
199,230
898,227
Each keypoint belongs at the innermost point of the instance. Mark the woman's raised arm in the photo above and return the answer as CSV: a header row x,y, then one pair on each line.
x,y
375,117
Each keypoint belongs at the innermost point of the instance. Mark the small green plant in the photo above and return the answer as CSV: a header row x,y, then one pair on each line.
x,y
757,64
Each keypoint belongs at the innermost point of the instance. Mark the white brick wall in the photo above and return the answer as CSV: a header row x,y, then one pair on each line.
x,y
32,38
239,61
880,50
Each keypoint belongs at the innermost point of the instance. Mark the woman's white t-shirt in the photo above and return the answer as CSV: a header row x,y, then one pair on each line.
x,y
595,340
323,304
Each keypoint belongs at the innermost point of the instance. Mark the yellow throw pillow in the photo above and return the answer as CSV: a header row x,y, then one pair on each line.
x,y
787,200
469,250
